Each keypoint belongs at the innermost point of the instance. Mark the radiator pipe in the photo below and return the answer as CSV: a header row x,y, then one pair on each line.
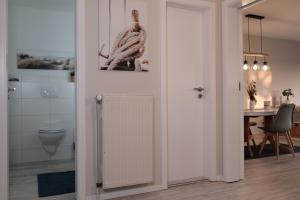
x,y
98,99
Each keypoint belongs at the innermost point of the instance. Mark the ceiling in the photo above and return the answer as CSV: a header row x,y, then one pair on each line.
x,y
282,19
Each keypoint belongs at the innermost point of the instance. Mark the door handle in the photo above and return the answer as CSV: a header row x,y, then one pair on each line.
x,y
199,89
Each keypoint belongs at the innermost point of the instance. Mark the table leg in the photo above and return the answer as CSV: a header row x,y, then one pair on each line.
x,y
267,123
247,134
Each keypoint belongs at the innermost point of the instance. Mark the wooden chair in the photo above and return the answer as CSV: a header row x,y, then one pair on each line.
x,y
281,125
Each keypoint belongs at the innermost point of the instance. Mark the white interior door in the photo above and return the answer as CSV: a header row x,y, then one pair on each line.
x,y
185,107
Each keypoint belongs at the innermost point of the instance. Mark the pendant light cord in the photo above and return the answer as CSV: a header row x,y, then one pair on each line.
x,y
249,48
261,37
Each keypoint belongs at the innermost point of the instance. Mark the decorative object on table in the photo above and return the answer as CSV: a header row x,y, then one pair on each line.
x,y
45,60
276,95
251,90
287,93
129,49
267,104
256,55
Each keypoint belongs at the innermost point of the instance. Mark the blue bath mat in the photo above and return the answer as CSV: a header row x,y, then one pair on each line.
x,y
58,183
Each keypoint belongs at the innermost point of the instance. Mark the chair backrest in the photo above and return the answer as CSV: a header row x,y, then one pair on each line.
x,y
283,121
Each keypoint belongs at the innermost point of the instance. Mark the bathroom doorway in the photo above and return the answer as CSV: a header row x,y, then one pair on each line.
x,y
41,99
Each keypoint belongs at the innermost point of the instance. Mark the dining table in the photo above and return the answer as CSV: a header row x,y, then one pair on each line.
x,y
267,114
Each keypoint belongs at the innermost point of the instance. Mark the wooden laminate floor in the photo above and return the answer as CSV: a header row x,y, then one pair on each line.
x,y
266,179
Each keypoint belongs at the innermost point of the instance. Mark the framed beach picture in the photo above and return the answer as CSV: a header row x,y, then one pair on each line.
x,y
45,60
123,35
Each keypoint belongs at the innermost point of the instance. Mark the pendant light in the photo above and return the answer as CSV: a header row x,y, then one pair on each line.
x,y
265,65
246,66
260,54
255,65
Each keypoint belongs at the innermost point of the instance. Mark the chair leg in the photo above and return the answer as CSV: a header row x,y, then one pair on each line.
x,y
253,141
290,137
249,149
290,144
263,144
277,145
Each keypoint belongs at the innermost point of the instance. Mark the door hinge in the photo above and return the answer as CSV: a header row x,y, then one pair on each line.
x,y
239,86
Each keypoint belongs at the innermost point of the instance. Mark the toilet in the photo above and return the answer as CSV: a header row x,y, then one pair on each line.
x,y
50,139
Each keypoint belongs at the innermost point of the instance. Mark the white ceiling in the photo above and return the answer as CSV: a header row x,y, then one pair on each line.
x,y
282,19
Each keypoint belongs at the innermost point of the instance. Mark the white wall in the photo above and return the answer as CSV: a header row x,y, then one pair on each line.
x,y
35,25
284,61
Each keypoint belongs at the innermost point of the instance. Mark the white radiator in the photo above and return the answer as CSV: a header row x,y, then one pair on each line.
x,y
127,123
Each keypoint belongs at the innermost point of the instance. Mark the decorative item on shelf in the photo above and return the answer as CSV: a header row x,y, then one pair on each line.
x,y
250,53
72,76
287,93
251,90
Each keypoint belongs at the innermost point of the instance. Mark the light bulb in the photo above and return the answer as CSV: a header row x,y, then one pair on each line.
x,y
246,66
255,66
265,67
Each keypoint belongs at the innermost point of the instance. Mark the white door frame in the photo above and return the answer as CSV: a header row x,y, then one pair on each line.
x,y
80,102
233,118
3,103
210,168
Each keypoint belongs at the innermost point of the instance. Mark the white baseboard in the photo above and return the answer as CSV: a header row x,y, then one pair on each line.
x,y
93,197
124,193
220,178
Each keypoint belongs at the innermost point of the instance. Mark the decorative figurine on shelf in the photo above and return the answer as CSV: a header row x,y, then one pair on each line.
x,y
251,90
287,93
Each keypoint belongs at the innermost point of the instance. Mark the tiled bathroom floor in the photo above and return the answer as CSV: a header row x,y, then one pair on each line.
x,y
23,179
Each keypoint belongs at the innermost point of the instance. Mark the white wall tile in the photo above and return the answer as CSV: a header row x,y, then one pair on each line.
x,y
33,123
59,76
35,106
33,89
63,89
14,107
15,157
34,75
14,124
30,139
64,152
62,106
15,141
34,155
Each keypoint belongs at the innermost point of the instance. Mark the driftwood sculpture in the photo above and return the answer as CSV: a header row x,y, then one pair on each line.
x,y
128,47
